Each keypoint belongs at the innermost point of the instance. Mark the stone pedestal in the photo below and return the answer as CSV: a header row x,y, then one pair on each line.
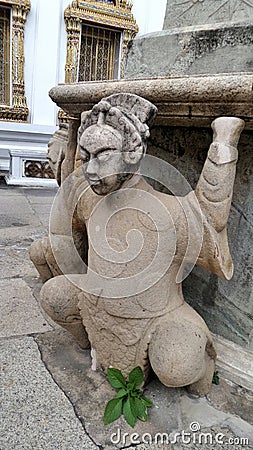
x,y
198,37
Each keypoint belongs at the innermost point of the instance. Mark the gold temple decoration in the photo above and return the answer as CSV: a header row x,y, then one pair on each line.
x,y
115,15
17,109
4,55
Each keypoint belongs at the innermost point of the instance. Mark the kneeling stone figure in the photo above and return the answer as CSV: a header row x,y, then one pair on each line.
x,y
117,247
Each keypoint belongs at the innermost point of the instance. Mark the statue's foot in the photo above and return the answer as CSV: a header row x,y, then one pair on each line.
x,y
203,386
59,299
181,354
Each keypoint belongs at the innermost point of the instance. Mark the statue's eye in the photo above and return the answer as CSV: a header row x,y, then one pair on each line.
x,y
84,156
104,155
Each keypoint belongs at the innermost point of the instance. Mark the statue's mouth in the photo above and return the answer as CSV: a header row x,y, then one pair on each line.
x,y
95,182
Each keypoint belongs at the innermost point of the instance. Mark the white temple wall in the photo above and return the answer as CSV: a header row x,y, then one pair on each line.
x,y
149,15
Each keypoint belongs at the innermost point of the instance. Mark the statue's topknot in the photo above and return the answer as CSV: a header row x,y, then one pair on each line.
x,y
130,114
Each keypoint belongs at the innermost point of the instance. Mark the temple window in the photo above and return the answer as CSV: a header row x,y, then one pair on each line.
x,y
99,53
98,33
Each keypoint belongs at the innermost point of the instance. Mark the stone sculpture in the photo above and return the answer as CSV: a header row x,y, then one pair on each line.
x,y
57,151
117,248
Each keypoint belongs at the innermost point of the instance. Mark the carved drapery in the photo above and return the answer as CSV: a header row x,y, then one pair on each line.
x,y
115,14
18,110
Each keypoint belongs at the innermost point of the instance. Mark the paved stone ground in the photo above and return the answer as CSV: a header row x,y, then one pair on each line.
x,y
50,398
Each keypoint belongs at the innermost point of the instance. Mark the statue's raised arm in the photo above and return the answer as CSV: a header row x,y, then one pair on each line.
x,y
214,193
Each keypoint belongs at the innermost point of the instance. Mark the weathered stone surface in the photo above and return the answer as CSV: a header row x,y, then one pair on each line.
x,y
14,261
89,391
199,37
19,215
20,313
200,12
181,101
34,413
202,413
221,49
229,397
174,410
226,306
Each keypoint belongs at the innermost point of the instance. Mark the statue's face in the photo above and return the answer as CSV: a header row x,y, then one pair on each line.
x,y
103,158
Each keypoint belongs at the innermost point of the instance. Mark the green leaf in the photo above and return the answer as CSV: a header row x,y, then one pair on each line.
x,y
116,378
130,386
129,413
147,402
216,378
121,393
113,410
136,377
144,416
139,392
140,409
134,393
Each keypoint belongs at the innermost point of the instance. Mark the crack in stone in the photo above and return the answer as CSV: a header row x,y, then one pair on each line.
x,y
240,211
35,213
81,419
12,277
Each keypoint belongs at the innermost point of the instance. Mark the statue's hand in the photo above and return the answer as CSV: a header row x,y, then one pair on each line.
x,y
227,130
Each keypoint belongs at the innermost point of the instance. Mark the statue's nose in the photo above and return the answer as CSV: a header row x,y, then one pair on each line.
x,y
92,167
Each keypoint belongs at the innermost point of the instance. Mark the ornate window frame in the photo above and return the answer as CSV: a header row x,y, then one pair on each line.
x,y
116,14
17,110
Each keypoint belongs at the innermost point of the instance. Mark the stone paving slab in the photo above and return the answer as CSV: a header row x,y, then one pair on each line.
x,y
174,409
16,211
20,312
25,234
39,193
15,262
35,414
233,399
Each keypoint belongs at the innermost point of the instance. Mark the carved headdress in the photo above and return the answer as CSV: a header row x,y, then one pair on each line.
x,y
128,113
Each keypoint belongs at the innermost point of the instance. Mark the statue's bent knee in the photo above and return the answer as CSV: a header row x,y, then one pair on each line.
x,y
38,256
59,298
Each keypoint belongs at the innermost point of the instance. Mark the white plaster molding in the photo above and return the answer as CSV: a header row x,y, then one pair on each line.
x,y
22,135
18,155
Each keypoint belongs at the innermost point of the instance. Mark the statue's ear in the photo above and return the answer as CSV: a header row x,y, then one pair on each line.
x,y
134,155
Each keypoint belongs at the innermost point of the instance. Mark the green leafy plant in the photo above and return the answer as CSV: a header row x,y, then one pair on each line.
x,y
216,378
129,399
